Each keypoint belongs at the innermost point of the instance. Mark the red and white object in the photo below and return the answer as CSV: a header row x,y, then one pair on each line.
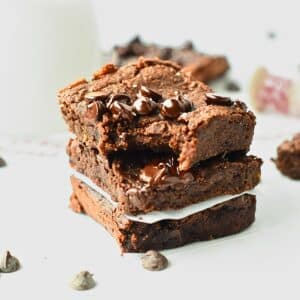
x,y
270,92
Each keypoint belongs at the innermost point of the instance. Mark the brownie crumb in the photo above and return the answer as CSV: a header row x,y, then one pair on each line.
x,y
2,162
154,261
232,86
288,157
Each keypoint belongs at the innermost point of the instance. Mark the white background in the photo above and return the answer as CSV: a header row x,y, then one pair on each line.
x,y
35,223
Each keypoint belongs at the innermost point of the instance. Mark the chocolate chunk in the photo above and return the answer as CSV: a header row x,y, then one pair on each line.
x,y
171,108
216,99
2,162
154,261
232,86
148,93
144,106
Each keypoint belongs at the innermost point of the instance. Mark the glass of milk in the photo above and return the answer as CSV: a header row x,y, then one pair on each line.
x,y
45,45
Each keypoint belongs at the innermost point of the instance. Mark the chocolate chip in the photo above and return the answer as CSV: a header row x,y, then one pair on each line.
x,y
9,263
216,99
166,53
93,111
171,108
99,96
154,261
120,98
2,162
121,109
148,93
232,86
144,106
186,105
83,281
188,45
152,173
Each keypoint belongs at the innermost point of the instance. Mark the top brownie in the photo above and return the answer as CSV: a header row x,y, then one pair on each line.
x,y
153,105
199,65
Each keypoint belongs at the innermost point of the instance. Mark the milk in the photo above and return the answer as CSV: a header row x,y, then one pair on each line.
x,y
45,44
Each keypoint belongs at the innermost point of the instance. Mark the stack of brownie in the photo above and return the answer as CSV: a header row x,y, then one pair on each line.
x,y
150,139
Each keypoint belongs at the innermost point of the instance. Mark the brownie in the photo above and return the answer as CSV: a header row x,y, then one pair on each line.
x,y
153,105
201,66
288,157
148,181
220,220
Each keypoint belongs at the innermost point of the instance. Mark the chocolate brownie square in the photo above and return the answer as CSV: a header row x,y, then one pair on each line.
x,y
148,181
224,219
153,105
199,65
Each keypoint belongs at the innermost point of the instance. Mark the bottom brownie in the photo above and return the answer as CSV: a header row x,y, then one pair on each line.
x,y
224,219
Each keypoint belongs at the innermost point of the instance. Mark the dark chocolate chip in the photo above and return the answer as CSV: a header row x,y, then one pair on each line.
x,y
148,93
2,162
186,105
120,98
152,173
166,53
121,109
144,106
93,111
99,96
171,108
216,99
188,45
154,261
232,86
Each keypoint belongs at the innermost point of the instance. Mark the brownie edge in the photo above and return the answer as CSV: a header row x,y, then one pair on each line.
x,y
224,219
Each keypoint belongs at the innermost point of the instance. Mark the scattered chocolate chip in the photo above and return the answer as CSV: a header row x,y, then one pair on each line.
x,y
2,162
83,281
216,99
144,106
171,108
271,35
148,93
154,261
232,86
99,96
9,263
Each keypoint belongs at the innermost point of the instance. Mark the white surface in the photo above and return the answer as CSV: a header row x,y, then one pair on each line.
x,y
173,214
53,243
